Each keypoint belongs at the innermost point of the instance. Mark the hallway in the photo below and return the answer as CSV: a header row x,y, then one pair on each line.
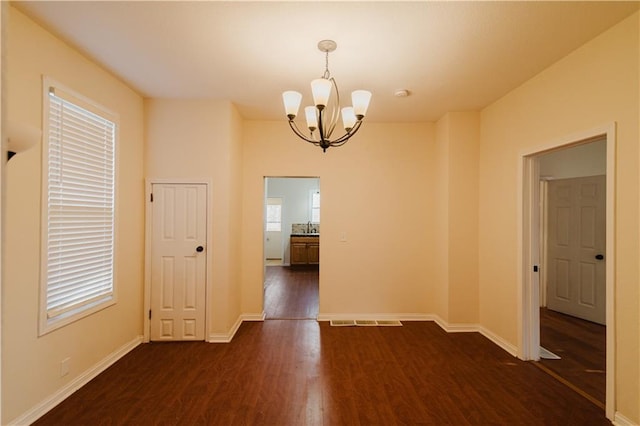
x,y
291,293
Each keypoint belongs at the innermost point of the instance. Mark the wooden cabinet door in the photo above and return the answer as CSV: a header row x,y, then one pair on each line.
x,y
313,253
299,253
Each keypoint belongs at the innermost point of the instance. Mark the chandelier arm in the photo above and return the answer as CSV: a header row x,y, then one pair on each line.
x,y
338,142
298,133
335,145
321,130
341,141
344,138
335,110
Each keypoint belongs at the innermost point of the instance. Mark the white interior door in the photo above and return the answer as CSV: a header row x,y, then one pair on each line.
x,y
178,261
273,229
576,247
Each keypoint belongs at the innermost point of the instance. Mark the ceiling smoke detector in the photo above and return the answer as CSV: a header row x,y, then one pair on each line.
x,y
401,93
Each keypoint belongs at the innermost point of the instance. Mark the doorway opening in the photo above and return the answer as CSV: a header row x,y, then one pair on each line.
x,y
291,247
568,257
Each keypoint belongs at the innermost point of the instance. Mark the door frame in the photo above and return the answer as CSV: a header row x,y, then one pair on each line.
x,y
149,182
284,243
529,247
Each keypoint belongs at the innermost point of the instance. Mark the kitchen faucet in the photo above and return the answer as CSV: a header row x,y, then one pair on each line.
x,y
308,226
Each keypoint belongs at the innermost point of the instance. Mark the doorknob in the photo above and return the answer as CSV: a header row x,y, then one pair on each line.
x,y
599,256
199,249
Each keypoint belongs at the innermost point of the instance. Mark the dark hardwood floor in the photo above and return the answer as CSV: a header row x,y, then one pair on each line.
x,y
280,372
301,372
582,347
291,292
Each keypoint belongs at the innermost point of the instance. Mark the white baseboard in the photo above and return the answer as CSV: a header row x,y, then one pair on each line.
x,y
227,337
511,349
621,420
449,328
61,394
374,317
454,328
253,317
477,328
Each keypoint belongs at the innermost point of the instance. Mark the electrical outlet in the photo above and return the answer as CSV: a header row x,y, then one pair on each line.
x,y
343,237
64,367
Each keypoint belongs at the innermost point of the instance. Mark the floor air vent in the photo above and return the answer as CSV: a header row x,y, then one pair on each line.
x,y
390,323
366,323
342,323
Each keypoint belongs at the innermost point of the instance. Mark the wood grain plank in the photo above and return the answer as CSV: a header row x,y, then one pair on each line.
x,y
301,372
283,372
291,292
582,346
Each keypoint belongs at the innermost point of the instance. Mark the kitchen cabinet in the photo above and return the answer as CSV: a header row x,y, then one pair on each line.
x,y
305,250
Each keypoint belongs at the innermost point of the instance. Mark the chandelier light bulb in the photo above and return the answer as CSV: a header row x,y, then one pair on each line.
x,y
312,117
348,118
360,99
292,101
321,90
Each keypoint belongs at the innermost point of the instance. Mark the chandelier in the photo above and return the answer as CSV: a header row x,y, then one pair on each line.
x,y
323,116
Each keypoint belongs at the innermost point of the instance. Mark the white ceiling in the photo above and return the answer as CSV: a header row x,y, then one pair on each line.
x,y
451,56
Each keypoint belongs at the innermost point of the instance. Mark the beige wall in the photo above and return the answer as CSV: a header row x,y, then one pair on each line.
x,y
595,85
456,205
31,364
201,139
440,207
377,189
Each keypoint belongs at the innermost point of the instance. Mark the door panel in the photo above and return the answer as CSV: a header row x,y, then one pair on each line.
x,y
576,234
167,285
178,268
587,284
273,234
562,279
273,245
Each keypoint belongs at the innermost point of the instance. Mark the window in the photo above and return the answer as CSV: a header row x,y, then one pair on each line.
x,y
315,206
274,214
78,209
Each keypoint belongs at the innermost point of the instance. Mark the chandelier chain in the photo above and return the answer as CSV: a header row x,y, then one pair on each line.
x,y
326,74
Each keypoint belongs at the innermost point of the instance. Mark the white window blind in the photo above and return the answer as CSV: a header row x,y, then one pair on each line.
x,y
80,162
